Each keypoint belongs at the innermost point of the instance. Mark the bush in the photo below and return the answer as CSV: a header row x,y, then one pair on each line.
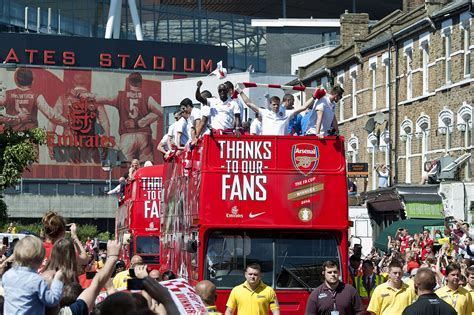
x,y
105,236
85,231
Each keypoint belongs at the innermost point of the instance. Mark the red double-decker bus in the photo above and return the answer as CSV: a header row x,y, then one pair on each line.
x,y
277,201
137,221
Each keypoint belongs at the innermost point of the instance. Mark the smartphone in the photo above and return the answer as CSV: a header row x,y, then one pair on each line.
x,y
135,284
90,274
102,246
5,240
68,227
131,272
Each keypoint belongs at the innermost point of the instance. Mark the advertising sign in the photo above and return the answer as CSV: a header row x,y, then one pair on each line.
x,y
253,177
358,170
90,116
84,52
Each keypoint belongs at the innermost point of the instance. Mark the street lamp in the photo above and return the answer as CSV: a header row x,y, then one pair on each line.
x,y
107,167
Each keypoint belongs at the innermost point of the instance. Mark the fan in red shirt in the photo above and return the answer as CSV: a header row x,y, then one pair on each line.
x,y
425,242
404,237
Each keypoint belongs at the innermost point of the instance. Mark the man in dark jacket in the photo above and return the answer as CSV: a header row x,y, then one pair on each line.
x,y
428,302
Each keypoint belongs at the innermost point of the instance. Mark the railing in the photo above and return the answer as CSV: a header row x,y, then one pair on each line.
x,y
331,43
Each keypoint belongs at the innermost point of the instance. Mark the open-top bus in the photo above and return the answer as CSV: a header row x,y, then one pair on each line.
x,y
137,222
278,201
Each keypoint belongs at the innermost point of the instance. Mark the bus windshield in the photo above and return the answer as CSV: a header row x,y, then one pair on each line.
x,y
148,245
289,260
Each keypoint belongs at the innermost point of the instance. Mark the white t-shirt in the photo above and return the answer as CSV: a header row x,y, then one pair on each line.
x,y
164,142
256,127
222,113
328,108
206,112
195,114
181,126
275,124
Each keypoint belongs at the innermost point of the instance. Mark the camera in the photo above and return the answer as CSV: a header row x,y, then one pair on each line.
x,y
134,284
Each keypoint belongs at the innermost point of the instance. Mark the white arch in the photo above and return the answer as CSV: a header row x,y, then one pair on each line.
x,y
353,147
423,123
445,121
464,117
406,128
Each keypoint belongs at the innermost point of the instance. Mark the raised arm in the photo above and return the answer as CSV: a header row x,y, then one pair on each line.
x,y
246,99
316,96
198,95
89,295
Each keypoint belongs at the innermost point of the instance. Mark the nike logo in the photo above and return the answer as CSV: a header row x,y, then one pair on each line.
x,y
251,215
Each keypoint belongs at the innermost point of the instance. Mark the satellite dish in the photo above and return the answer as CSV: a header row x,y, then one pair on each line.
x,y
370,125
379,118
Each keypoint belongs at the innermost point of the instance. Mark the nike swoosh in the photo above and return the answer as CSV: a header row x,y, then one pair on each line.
x,y
251,215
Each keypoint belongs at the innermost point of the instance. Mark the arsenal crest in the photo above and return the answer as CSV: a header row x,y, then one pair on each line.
x,y
305,157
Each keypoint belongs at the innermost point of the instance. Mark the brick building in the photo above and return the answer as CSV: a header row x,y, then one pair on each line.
x,y
409,91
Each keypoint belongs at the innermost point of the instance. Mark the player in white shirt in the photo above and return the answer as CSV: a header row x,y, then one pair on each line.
x,y
171,133
203,128
256,126
163,146
194,117
323,118
223,111
235,96
275,121
181,136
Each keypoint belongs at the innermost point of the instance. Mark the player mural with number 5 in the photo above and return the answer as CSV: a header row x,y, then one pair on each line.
x,y
137,111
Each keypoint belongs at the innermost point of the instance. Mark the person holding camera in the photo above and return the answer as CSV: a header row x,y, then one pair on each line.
x,y
120,279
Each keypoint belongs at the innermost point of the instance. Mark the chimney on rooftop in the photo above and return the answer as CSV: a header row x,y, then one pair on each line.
x,y
354,26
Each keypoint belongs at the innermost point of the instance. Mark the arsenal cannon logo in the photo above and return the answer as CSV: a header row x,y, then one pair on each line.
x,y
305,157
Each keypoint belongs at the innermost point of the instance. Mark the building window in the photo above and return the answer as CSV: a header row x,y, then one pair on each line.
x,y
373,70
424,46
465,26
409,61
406,133
422,132
353,73
386,62
372,146
445,126
340,81
446,30
464,119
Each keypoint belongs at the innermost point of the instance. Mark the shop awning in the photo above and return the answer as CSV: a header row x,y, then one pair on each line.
x,y
413,226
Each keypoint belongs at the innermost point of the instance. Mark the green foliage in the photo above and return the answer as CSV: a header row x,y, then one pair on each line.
x,y
85,231
105,236
33,228
3,211
18,150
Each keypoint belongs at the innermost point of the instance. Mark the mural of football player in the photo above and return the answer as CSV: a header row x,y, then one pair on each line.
x,y
22,104
137,111
85,116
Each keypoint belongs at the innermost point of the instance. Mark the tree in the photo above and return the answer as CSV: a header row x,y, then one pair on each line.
x,y
18,150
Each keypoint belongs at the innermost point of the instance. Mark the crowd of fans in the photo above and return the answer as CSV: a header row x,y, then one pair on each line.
x,y
447,252
57,274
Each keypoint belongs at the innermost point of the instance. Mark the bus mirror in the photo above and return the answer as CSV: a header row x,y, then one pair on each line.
x,y
126,238
191,246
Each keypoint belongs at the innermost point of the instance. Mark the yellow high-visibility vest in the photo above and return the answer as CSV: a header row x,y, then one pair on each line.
x,y
361,288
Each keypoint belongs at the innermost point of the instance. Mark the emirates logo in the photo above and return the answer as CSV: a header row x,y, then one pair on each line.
x,y
82,116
